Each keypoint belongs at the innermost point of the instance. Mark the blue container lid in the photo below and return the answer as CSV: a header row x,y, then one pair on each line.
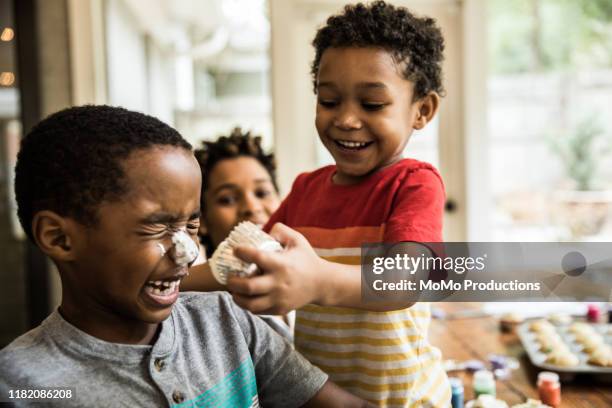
x,y
456,384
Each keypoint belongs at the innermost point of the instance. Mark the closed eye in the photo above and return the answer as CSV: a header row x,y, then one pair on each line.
x,y
370,106
153,233
327,103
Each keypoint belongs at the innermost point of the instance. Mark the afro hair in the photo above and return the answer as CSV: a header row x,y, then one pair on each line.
x,y
237,144
415,43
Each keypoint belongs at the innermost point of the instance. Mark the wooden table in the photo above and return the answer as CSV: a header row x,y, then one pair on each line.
x,y
476,338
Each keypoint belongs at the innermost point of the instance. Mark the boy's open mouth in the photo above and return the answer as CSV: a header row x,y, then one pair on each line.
x,y
163,292
351,145
163,288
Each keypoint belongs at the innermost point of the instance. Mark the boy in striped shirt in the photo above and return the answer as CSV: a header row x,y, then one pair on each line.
x,y
377,77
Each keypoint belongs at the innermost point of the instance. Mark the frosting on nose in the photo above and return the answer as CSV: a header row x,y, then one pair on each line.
x,y
185,250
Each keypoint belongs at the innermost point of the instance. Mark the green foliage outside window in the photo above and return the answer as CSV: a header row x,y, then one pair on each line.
x,y
549,35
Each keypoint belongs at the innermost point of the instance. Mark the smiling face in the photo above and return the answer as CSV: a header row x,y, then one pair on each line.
x,y
240,189
365,110
119,273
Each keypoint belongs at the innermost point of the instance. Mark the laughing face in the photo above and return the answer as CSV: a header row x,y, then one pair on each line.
x,y
240,189
365,110
125,272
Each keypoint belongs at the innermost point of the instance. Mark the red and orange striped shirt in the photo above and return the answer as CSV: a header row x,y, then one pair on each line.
x,y
384,357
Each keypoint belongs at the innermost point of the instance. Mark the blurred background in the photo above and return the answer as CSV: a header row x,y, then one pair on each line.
x,y
523,139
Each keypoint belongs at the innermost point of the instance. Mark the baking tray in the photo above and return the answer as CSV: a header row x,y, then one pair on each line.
x,y
538,358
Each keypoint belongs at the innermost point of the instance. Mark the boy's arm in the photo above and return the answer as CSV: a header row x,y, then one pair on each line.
x,y
298,276
200,278
332,396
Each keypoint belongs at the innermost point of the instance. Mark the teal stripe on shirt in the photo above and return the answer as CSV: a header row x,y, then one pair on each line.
x,y
237,389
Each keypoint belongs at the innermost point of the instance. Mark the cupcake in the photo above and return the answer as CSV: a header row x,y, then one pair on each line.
x,y
601,357
580,328
560,319
224,263
550,342
562,358
542,326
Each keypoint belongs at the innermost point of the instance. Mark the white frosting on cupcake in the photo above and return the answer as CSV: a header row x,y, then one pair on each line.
x,y
223,261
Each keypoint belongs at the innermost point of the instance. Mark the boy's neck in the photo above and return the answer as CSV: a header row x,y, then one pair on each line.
x,y
109,327
342,179
347,180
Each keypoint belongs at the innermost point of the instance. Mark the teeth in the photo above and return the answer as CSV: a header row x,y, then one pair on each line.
x,y
167,288
352,145
164,284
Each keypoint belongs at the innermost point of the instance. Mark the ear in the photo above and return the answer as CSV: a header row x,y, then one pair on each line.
x,y
426,110
54,235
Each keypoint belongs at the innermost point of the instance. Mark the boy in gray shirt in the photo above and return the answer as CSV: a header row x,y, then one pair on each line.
x,y
116,208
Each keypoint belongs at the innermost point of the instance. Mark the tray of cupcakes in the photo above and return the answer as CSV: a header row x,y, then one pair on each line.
x,y
568,345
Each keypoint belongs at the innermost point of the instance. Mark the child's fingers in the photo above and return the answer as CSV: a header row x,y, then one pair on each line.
x,y
256,304
262,259
256,285
288,237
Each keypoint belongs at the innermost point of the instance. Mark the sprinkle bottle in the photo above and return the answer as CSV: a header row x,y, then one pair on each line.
x,y
456,392
484,383
549,388
593,313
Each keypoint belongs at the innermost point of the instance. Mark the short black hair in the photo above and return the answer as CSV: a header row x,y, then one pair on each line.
x,y
237,144
71,161
414,41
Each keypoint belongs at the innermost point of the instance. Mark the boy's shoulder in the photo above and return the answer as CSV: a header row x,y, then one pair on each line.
x,y
315,176
411,167
29,354
24,345
195,311
408,165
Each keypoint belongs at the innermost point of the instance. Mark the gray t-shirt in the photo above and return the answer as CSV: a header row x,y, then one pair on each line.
x,y
209,352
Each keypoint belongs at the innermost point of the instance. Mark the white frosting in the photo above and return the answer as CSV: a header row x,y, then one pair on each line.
x,y
223,262
185,250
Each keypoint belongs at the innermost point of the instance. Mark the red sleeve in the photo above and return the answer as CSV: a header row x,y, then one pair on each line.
x,y
418,209
280,215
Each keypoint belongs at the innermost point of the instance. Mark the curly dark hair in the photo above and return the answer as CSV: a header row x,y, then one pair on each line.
x,y
71,161
237,144
414,42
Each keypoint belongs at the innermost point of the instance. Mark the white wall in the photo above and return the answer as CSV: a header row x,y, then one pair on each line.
x,y
126,58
